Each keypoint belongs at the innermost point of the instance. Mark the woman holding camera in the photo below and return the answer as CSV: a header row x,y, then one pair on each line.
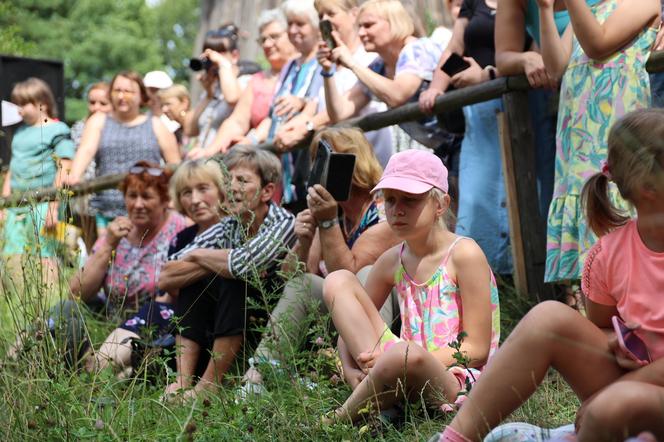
x,y
328,242
254,104
221,81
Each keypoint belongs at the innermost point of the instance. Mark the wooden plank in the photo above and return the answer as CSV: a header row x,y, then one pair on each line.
x,y
522,167
516,239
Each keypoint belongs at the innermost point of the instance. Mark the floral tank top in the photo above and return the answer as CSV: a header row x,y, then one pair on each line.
x,y
432,312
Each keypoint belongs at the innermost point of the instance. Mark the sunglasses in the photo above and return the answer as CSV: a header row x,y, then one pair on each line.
x,y
154,171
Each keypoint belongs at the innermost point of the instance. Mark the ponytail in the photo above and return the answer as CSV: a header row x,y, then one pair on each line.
x,y
602,215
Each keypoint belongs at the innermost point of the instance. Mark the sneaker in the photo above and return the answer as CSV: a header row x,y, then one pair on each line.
x,y
524,432
249,389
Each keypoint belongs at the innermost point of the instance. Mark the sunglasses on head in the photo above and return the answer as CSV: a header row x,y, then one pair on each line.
x,y
154,171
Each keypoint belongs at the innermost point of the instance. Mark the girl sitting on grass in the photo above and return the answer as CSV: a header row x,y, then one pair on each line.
x,y
445,287
623,276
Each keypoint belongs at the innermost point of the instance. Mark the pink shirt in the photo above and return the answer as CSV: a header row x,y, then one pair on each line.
x,y
621,271
263,90
134,270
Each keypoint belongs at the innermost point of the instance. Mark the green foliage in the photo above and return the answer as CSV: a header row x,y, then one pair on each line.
x,y
97,38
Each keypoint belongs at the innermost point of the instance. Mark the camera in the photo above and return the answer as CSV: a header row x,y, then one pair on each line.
x,y
200,64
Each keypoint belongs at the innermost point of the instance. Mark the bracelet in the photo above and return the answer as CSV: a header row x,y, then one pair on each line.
x,y
329,74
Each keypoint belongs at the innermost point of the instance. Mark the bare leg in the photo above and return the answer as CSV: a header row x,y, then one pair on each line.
x,y
188,352
406,368
550,335
624,409
114,350
224,350
354,314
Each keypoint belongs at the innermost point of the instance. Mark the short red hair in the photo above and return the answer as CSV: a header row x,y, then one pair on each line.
x,y
144,180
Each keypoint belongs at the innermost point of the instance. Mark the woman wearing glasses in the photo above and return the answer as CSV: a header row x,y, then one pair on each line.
x,y
118,140
122,272
254,104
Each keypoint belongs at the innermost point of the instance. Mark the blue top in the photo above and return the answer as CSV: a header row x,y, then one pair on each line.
x,y
34,152
561,18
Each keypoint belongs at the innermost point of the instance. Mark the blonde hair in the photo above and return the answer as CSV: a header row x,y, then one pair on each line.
x,y
394,12
34,91
635,156
190,170
368,170
344,5
176,91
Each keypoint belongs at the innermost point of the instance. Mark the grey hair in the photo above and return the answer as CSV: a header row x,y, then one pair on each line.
x,y
266,164
301,8
272,16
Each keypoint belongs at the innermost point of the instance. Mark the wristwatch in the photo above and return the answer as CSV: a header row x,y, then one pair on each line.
x,y
310,126
328,223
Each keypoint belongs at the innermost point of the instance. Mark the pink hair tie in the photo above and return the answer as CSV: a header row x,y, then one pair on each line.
x,y
605,169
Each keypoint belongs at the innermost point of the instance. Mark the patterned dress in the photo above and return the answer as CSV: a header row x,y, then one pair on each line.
x,y
432,314
593,96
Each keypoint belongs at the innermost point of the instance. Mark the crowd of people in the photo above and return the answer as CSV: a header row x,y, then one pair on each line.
x,y
222,245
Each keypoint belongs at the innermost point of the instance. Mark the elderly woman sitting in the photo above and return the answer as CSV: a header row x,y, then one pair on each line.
x,y
225,272
121,274
326,242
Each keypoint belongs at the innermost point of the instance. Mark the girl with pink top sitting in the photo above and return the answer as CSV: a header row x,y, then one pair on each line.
x,y
623,276
444,285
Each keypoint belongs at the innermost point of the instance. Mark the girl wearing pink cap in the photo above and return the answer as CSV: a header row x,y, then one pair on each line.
x,y
445,287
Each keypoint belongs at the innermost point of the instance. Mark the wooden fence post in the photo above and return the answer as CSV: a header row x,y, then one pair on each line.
x,y
530,234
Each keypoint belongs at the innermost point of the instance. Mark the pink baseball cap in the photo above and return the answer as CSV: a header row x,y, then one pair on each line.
x,y
414,171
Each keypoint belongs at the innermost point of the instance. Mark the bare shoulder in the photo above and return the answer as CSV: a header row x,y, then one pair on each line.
x,y
96,120
389,260
467,252
158,124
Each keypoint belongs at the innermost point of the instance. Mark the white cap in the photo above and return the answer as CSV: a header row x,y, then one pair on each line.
x,y
157,79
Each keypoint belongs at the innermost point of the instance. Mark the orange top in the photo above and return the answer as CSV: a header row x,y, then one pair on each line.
x,y
621,271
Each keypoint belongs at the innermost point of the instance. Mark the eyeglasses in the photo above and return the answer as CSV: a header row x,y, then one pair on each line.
x,y
154,171
274,37
117,92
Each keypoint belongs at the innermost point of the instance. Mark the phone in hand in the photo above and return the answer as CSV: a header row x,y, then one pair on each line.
x,y
630,343
454,64
333,171
326,33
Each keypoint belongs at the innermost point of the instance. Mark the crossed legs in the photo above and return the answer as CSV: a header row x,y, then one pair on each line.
x,y
406,369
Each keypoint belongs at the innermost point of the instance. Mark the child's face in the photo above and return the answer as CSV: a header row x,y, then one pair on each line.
x,y
98,101
408,213
31,113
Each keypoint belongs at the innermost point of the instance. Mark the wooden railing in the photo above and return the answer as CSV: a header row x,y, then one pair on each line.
x,y
527,226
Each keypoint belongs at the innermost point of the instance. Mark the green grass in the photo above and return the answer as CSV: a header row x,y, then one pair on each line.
x,y
44,400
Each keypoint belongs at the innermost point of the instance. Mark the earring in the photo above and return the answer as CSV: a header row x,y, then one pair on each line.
x,y
183,113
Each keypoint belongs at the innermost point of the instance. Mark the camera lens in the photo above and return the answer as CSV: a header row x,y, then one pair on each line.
x,y
195,64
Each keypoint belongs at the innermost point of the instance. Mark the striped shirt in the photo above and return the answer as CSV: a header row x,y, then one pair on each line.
x,y
260,253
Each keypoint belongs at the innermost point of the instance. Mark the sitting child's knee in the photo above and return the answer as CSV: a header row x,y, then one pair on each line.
x,y
551,315
618,402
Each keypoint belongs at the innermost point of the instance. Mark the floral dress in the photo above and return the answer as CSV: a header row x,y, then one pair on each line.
x,y
594,94
432,314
